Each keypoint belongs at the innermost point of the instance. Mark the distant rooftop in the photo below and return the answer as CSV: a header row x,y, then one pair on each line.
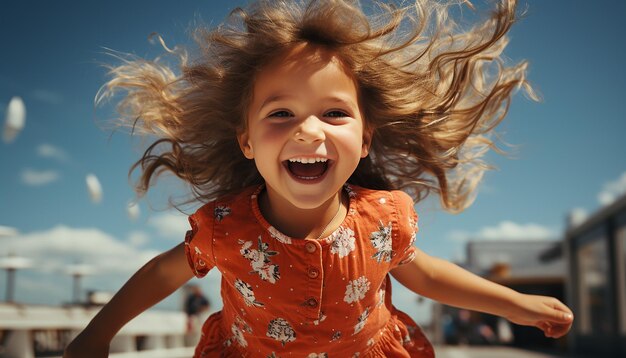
x,y
599,216
520,260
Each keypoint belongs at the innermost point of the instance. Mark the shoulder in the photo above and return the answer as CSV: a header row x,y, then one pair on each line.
x,y
380,199
386,205
217,210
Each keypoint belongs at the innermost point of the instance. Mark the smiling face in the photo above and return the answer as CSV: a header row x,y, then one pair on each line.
x,y
305,129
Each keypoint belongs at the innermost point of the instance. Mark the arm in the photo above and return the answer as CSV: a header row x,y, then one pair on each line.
x,y
153,282
448,283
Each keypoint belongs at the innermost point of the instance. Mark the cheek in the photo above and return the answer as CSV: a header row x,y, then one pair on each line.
x,y
271,135
350,140
349,149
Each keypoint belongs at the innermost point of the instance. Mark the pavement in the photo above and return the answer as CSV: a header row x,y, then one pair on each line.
x,y
494,352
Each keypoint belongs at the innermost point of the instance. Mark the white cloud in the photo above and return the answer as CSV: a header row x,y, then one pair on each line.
x,y
38,177
49,97
170,225
55,250
612,190
50,151
60,246
506,230
576,216
138,238
7,231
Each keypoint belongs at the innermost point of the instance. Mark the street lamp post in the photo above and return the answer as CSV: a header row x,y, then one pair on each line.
x,y
11,264
77,271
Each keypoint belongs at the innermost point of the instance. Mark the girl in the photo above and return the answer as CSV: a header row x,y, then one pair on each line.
x,y
296,127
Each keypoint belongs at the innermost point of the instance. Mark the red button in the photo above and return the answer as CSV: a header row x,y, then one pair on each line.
x,y
310,247
311,302
313,272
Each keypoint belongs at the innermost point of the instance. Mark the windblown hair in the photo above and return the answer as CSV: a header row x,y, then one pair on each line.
x,y
430,92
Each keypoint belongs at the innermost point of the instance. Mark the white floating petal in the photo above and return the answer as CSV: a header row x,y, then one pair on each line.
x,y
133,210
15,118
94,187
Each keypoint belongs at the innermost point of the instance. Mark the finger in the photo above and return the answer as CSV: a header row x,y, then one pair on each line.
x,y
550,330
544,326
559,330
562,317
560,312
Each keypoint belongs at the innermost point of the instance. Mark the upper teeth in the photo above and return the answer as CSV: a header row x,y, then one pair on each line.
x,y
308,160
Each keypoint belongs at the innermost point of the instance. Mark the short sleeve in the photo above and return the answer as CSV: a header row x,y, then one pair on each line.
x,y
199,240
404,251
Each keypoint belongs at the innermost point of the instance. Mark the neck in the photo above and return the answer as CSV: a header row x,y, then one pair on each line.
x,y
302,223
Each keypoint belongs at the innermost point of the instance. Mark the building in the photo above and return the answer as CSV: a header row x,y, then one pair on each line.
x,y
528,266
596,251
30,331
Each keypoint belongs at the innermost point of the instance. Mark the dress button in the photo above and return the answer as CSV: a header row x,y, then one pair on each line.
x,y
311,302
313,272
310,247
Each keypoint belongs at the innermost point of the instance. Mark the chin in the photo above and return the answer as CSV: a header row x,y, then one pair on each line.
x,y
308,202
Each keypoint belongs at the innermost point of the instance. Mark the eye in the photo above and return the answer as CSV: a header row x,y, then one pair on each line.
x,y
281,114
336,114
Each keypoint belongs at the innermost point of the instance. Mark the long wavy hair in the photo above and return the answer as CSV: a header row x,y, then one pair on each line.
x,y
431,93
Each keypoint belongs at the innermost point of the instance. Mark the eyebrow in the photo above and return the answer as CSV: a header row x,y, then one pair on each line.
x,y
330,98
274,98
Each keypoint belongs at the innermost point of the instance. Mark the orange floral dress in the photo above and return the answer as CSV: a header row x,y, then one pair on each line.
x,y
286,297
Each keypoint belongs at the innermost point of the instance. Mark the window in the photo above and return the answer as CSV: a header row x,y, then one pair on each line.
x,y
593,291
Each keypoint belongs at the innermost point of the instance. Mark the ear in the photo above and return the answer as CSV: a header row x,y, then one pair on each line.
x,y
367,142
245,145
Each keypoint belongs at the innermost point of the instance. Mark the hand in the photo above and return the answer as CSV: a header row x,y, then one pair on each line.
x,y
546,313
82,346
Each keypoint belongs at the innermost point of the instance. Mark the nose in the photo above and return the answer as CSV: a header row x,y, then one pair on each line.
x,y
310,130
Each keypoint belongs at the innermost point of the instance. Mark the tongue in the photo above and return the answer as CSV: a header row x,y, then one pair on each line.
x,y
307,170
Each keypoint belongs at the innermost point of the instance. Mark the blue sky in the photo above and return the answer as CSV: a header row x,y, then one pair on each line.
x,y
570,147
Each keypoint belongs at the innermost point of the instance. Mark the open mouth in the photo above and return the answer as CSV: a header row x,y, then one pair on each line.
x,y
307,168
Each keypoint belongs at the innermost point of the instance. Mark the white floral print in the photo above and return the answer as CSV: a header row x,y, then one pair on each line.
x,y
318,355
349,190
414,229
279,235
411,254
238,336
408,258
361,321
247,293
238,328
259,260
406,340
381,240
220,212
321,318
381,297
198,264
356,289
342,242
281,330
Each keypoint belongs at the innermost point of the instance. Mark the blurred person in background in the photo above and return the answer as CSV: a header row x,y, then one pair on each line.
x,y
196,308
